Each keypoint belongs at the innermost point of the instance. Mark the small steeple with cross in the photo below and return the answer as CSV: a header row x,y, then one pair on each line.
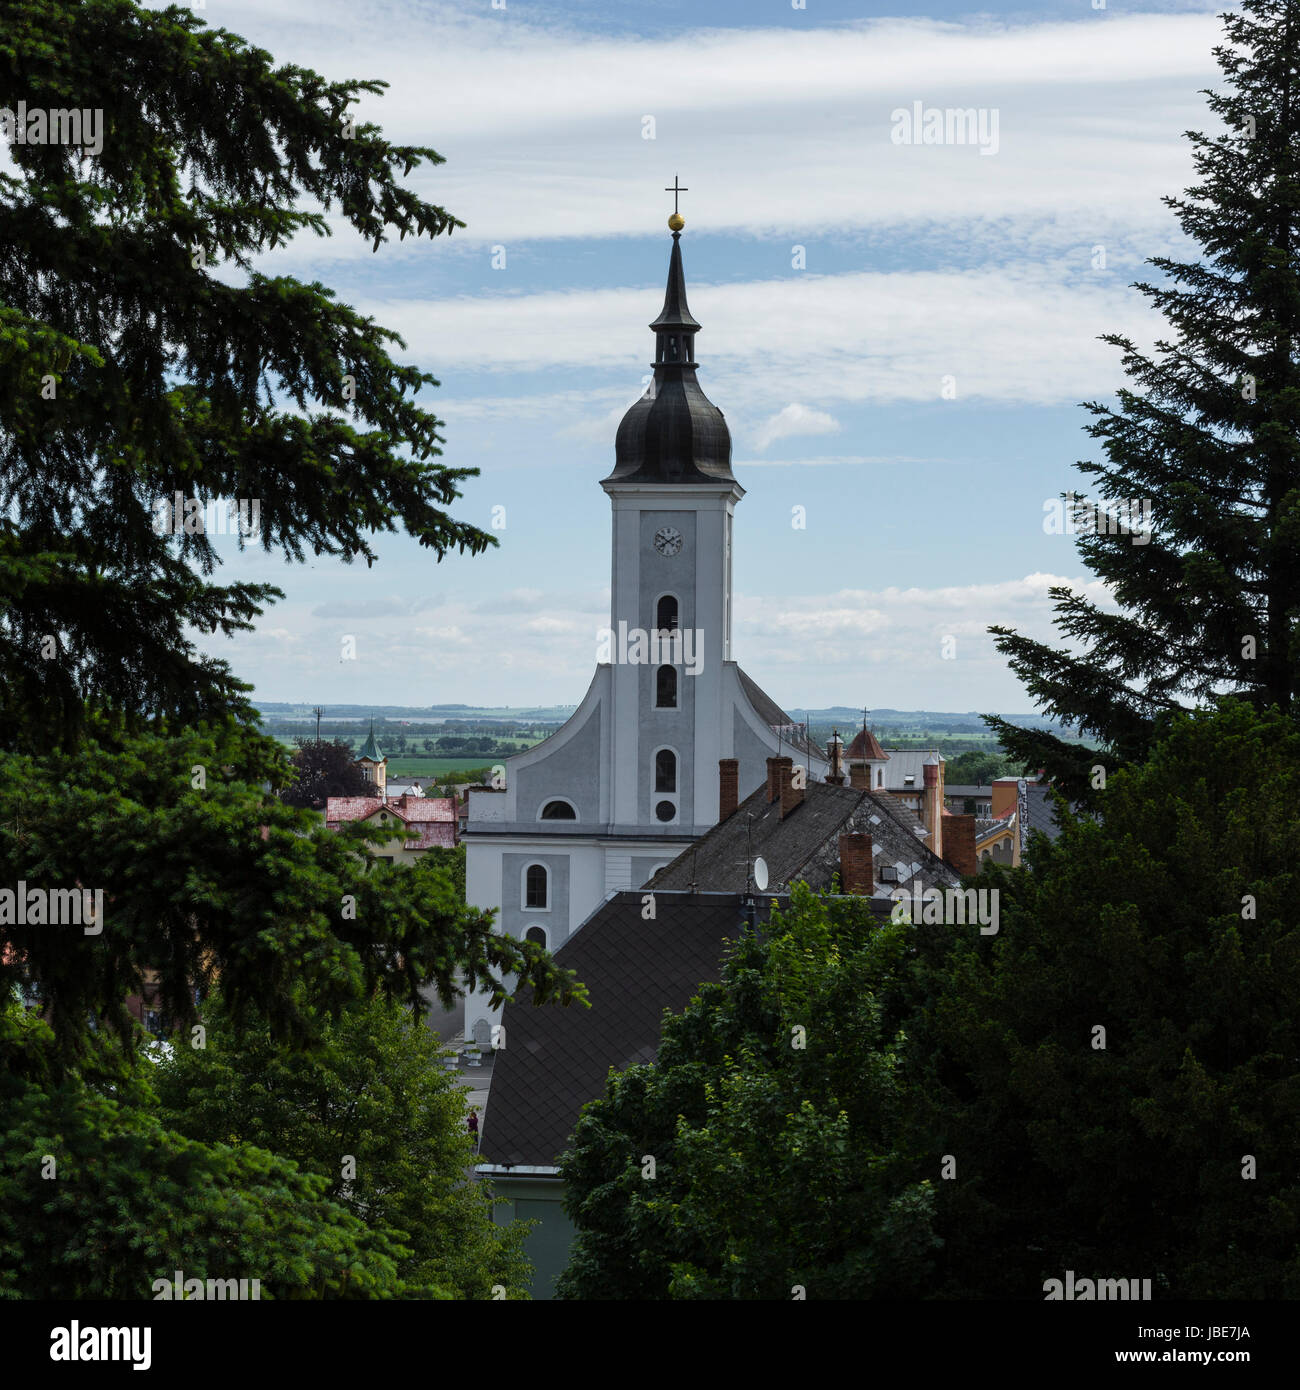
x,y
676,222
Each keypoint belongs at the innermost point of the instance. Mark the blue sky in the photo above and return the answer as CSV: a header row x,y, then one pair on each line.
x,y
924,514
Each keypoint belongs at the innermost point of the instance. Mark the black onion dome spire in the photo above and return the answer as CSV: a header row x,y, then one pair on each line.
x,y
674,433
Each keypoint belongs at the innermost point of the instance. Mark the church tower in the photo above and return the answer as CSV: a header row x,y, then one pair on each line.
x,y
673,496
374,765
637,774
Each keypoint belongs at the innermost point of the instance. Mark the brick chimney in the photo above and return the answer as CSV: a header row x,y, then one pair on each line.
x,y
932,802
959,844
791,796
773,779
728,786
857,876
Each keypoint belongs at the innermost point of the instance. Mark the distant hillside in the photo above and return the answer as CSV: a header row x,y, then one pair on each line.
x,y
279,715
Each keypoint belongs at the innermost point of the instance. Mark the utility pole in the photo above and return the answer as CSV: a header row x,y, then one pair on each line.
x,y
318,712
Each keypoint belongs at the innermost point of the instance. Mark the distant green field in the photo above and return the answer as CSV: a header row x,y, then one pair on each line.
x,y
433,767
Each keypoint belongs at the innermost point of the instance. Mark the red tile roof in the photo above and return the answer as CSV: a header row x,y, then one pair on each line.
x,y
866,745
428,820
339,808
430,835
426,808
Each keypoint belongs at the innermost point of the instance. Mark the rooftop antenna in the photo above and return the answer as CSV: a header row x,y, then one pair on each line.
x,y
693,887
755,873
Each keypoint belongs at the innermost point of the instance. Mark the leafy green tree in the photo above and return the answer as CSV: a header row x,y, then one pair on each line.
x,y
373,1091
98,1199
205,877
324,768
1209,436
771,1115
1163,1147
978,769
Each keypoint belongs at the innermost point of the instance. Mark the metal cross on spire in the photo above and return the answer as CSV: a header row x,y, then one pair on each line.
x,y
675,190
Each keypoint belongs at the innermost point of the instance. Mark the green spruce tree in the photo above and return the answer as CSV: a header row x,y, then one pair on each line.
x,y
1209,435
142,356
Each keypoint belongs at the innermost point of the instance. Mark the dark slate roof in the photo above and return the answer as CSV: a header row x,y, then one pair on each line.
x,y
967,789
805,845
674,433
556,1059
1042,813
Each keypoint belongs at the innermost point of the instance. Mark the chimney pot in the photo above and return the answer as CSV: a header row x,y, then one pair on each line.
x,y
791,796
773,779
728,786
857,875
959,844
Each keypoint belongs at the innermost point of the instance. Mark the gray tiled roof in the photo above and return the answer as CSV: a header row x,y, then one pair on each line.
x,y
1041,812
556,1059
805,844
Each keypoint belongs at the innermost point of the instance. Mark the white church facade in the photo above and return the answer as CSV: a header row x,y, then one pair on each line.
x,y
633,777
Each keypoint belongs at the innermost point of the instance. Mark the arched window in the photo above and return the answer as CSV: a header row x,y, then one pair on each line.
x,y
665,770
880,777
666,688
666,614
536,886
535,934
558,810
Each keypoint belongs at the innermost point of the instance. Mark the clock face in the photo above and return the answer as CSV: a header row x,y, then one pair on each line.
x,y
668,541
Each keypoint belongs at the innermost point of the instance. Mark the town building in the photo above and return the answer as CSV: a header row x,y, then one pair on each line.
x,y
406,824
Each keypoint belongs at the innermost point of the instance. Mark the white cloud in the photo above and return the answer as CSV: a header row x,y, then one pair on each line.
x,y
1024,333
882,645
794,420
887,644
542,128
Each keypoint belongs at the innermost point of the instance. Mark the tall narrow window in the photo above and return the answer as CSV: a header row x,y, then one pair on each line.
x,y
666,616
666,688
535,886
665,770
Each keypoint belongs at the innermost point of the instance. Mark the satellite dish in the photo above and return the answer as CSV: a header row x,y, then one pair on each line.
x,y
760,874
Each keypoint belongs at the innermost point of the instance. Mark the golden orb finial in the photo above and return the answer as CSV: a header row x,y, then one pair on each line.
x,y
676,222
